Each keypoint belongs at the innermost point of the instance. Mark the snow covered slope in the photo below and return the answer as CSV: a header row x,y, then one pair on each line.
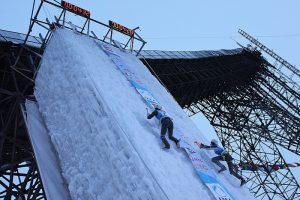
x,y
97,122
45,155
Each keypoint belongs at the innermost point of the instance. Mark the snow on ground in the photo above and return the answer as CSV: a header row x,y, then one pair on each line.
x,y
97,122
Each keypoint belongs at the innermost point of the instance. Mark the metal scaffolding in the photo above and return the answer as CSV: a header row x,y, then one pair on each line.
x,y
251,128
253,121
254,107
19,176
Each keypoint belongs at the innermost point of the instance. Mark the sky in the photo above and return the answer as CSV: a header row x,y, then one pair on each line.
x,y
188,25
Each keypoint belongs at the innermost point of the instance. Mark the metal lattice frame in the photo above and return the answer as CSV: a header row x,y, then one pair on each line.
x,y
190,80
252,104
245,123
270,52
281,83
254,120
19,176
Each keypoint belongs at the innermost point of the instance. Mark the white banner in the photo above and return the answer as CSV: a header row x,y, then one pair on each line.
x,y
206,174
202,169
131,77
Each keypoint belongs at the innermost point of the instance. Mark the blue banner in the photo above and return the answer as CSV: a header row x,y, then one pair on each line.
x,y
131,77
205,173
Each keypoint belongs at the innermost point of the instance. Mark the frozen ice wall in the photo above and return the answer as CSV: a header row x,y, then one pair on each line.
x,y
97,122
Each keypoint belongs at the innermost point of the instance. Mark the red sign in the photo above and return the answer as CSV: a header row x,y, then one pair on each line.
x,y
75,9
121,28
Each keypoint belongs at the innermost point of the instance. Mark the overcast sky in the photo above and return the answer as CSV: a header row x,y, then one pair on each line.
x,y
190,24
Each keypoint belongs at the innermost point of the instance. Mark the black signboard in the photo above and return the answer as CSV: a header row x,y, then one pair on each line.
x,y
75,9
121,28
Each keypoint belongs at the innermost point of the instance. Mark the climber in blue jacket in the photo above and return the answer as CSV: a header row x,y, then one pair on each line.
x,y
166,125
222,156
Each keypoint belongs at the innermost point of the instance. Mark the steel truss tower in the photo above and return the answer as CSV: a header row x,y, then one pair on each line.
x,y
19,175
256,120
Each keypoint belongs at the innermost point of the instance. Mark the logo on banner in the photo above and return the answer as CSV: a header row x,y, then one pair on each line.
x,y
220,193
107,48
204,172
190,150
